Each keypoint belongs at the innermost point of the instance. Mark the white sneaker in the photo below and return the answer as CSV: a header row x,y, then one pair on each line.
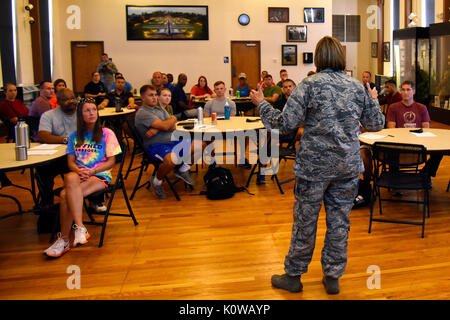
x,y
58,248
81,235
98,207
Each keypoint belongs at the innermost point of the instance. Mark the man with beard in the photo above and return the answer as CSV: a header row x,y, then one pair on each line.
x,y
55,126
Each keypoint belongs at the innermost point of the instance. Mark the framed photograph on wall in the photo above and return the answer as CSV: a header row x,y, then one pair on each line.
x,y
296,33
374,50
386,51
314,15
167,22
289,55
278,14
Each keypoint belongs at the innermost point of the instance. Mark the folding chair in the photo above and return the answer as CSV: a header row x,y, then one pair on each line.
x,y
110,191
396,166
287,152
146,161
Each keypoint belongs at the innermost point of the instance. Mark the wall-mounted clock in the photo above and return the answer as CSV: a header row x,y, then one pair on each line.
x,y
244,19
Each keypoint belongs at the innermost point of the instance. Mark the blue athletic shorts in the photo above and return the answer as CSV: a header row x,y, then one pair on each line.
x,y
159,150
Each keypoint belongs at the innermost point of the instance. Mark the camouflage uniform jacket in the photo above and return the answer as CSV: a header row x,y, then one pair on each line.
x,y
332,106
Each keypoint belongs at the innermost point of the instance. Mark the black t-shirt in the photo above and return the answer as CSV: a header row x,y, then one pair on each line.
x,y
124,96
95,88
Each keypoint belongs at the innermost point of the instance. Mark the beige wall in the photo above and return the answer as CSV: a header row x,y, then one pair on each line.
x,y
24,54
103,20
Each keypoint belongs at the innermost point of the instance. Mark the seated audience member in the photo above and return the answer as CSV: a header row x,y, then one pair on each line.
x,y
55,127
261,83
243,86
200,90
286,89
217,104
411,114
42,103
11,109
155,126
283,76
166,83
272,92
95,89
124,98
164,98
91,152
58,84
367,78
392,95
180,103
157,80
170,78
128,86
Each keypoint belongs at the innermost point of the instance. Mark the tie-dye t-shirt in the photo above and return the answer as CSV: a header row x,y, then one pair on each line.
x,y
90,155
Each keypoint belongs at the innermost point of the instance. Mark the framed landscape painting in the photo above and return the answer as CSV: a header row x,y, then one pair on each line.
x,y
278,14
167,22
289,55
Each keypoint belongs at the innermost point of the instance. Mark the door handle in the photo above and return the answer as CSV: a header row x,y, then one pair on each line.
x,y
233,71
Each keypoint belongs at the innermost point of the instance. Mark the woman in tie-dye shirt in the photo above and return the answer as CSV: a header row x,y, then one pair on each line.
x,y
91,152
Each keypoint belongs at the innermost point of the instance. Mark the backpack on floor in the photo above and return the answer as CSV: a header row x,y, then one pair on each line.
x,y
220,184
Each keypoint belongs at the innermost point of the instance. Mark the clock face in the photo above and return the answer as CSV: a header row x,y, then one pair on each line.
x,y
244,19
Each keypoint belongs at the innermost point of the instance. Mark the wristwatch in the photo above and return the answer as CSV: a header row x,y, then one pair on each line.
x,y
65,140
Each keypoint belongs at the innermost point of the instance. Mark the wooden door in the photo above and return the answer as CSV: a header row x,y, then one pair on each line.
x,y
86,55
245,57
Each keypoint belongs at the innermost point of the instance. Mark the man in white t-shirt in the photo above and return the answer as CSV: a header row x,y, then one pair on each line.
x,y
217,104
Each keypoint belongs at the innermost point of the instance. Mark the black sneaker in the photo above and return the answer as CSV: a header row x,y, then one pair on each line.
x,y
331,285
287,282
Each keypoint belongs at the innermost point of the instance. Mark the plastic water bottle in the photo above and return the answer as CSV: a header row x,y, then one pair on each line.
x,y
200,115
238,94
22,134
231,92
227,111
117,104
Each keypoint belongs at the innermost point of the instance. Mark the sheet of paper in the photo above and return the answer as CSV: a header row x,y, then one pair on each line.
x,y
424,134
46,146
41,152
203,127
373,136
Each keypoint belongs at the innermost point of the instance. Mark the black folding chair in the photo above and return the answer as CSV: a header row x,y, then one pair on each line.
x,y
145,162
110,192
396,166
287,151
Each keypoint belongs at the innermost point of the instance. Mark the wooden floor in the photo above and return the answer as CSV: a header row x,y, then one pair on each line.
x,y
201,249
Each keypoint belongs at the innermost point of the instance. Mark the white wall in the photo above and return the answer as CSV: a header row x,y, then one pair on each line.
x,y
103,20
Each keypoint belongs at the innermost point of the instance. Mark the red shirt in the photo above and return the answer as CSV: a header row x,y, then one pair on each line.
x,y
390,99
408,117
13,109
198,91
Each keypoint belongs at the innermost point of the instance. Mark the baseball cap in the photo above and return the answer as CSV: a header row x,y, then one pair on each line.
x,y
242,75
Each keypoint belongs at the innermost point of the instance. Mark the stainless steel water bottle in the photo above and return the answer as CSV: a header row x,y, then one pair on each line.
x,y
22,134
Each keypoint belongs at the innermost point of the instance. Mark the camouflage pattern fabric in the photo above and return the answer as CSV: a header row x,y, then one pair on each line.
x,y
337,196
331,105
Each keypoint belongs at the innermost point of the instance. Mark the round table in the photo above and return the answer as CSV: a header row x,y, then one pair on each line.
x,y
439,144
111,112
8,162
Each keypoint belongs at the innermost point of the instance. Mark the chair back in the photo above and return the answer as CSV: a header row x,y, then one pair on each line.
x,y
136,137
399,155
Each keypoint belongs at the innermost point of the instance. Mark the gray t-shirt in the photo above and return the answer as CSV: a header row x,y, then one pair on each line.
x,y
58,123
145,116
218,106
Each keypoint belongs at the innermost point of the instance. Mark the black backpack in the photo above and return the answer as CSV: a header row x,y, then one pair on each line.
x,y
220,184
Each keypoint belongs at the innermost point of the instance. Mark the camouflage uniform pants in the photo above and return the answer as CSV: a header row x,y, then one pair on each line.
x,y
338,196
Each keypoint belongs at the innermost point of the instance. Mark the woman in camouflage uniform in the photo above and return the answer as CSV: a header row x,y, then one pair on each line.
x,y
331,105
